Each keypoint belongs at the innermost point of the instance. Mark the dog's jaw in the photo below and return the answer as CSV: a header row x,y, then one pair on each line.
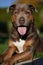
x,y
19,44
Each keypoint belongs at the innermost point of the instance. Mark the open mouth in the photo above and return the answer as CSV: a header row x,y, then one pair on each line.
x,y
22,30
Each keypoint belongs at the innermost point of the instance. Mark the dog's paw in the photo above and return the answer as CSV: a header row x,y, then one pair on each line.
x,y
6,63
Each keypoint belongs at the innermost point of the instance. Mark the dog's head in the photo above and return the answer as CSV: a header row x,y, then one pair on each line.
x,y
22,17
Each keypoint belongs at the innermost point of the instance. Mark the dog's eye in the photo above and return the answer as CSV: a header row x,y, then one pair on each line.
x,y
27,12
16,12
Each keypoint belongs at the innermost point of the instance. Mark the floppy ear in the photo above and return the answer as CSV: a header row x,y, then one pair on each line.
x,y
11,8
32,8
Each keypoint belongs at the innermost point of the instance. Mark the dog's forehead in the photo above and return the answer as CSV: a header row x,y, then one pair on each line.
x,y
21,6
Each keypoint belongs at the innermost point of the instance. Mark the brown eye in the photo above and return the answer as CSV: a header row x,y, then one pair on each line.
x,y
27,12
16,12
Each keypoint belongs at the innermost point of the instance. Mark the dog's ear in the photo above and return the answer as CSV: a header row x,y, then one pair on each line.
x,y
32,8
11,8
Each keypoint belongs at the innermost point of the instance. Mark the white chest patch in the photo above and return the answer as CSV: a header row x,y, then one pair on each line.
x,y
19,45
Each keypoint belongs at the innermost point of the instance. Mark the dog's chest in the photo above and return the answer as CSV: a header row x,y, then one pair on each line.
x,y
19,45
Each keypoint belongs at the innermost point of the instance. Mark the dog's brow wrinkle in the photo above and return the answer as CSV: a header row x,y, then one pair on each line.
x,y
21,6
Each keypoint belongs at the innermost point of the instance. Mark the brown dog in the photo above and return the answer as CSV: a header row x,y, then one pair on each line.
x,y
23,36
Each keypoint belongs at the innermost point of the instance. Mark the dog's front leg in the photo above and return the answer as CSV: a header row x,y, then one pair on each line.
x,y
21,57
8,53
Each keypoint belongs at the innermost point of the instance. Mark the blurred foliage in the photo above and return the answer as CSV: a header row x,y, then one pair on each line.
x,y
3,15
39,18
5,23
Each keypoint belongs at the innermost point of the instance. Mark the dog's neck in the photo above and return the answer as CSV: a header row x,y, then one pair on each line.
x,y
17,37
23,37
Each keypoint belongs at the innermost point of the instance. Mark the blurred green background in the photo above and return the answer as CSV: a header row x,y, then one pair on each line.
x,y
5,26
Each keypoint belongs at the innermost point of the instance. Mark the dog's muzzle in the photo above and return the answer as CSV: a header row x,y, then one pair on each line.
x,y
22,29
21,20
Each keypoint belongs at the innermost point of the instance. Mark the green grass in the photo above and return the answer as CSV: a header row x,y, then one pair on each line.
x,y
38,55
3,46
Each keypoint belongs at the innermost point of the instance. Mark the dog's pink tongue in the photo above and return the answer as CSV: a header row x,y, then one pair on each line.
x,y
22,30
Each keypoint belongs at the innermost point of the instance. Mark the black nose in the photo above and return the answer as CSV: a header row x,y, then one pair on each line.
x,y
21,20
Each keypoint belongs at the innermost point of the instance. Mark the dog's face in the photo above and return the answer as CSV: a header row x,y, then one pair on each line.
x,y
22,17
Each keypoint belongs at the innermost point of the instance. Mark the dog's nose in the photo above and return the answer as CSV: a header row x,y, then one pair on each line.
x,y
21,20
